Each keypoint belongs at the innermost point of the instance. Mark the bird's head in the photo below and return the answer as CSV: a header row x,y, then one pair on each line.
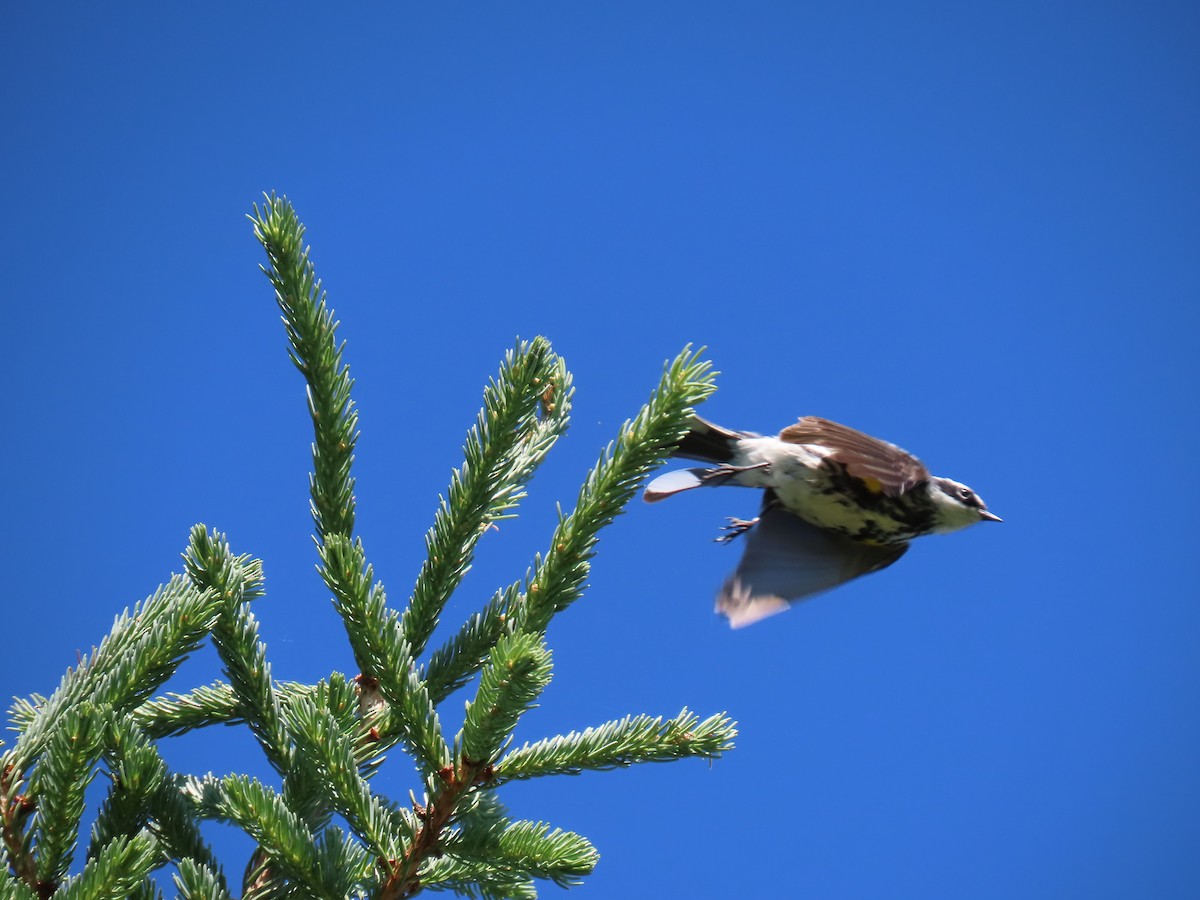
x,y
957,506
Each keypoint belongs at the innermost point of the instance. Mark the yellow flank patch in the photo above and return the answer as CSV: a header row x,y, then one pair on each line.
x,y
874,485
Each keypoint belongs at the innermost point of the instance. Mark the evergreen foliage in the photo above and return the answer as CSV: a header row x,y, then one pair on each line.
x,y
327,740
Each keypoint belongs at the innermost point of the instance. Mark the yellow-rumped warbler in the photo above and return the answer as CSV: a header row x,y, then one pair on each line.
x,y
837,504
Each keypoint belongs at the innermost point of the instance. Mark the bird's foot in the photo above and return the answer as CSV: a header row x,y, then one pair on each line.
x,y
735,528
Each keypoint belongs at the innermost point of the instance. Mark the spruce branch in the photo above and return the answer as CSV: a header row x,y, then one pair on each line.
x,y
195,881
517,670
633,739
525,409
174,714
336,704
381,650
143,649
312,332
536,849
59,781
558,577
12,889
345,863
138,772
517,851
143,796
178,831
263,814
454,663
469,879
141,652
16,808
116,872
238,580
24,710
376,634
643,443
326,741
359,600
338,760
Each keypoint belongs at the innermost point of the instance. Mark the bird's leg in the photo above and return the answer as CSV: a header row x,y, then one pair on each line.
x,y
722,473
735,528
738,470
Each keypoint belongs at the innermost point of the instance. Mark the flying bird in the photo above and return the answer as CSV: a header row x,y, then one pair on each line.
x,y
837,504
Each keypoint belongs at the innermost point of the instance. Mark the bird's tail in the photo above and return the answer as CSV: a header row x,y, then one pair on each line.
x,y
707,442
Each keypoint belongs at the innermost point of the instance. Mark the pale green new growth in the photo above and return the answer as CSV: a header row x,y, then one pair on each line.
x,y
325,831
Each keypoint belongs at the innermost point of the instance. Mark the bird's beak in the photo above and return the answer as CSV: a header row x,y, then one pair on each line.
x,y
989,516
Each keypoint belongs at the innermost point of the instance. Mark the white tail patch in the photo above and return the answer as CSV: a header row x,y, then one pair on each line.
x,y
672,483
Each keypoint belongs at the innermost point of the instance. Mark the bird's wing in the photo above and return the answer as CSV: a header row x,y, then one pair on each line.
x,y
864,457
786,559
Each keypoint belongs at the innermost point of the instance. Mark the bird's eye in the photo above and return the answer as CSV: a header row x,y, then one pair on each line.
x,y
966,495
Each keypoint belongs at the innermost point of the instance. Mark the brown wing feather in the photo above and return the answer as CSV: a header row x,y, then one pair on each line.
x,y
863,456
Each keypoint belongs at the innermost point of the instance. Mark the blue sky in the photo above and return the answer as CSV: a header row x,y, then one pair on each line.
x,y
972,231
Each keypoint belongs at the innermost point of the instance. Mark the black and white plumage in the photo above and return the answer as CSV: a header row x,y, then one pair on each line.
x,y
837,504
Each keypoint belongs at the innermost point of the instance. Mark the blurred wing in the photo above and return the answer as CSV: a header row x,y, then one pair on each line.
x,y
786,560
863,456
